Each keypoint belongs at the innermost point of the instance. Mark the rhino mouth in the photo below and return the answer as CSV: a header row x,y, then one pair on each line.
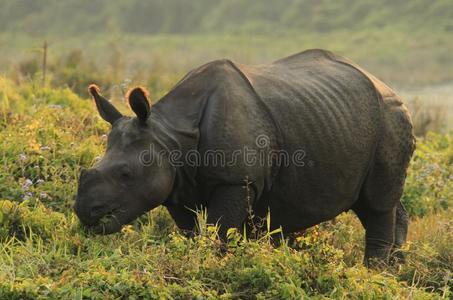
x,y
109,223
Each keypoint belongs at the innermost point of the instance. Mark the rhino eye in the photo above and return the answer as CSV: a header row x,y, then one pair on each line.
x,y
124,172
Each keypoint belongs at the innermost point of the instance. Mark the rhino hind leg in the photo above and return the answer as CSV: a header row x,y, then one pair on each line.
x,y
379,207
379,237
382,214
383,187
380,233
401,227
400,230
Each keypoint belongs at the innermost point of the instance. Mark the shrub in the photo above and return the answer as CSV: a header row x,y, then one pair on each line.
x,y
19,221
428,184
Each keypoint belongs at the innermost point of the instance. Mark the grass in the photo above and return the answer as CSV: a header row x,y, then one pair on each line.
x,y
47,134
416,64
50,256
417,59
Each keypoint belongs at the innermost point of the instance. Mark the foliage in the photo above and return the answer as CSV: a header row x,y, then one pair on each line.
x,y
47,134
135,264
429,183
238,16
115,41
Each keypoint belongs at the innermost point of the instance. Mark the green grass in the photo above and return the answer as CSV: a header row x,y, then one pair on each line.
x,y
401,42
47,134
50,256
417,58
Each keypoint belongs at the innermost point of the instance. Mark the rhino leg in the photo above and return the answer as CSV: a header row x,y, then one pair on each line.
x,y
379,237
380,232
378,247
401,226
360,210
183,217
379,241
228,208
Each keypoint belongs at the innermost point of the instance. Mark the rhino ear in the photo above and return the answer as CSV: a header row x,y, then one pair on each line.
x,y
138,101
107,111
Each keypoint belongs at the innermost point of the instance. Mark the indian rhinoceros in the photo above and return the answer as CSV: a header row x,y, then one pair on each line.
x,y
305,138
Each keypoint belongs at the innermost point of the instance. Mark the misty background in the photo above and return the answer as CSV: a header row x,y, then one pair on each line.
x,y
407,44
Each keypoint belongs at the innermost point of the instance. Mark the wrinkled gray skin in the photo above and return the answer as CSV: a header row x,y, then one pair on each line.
x,y
355,133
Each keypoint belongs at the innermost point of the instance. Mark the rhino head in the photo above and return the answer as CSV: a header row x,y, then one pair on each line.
x,y
120,187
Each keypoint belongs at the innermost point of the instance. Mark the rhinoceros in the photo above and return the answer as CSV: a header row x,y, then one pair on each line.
x,y
304,139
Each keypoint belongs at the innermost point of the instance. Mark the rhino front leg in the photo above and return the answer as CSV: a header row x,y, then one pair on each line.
x,y
228,207
183,217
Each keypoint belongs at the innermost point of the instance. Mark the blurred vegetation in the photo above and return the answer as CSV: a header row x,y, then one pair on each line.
x,y
153,43
429,184
237,16
48,133
401,42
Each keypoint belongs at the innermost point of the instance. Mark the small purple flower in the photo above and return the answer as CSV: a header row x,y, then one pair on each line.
x,y
22,157
27,196
26,185
39,181
43,195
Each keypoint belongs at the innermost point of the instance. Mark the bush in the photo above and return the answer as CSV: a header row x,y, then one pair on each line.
x,y
429,181
19,221
46,135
